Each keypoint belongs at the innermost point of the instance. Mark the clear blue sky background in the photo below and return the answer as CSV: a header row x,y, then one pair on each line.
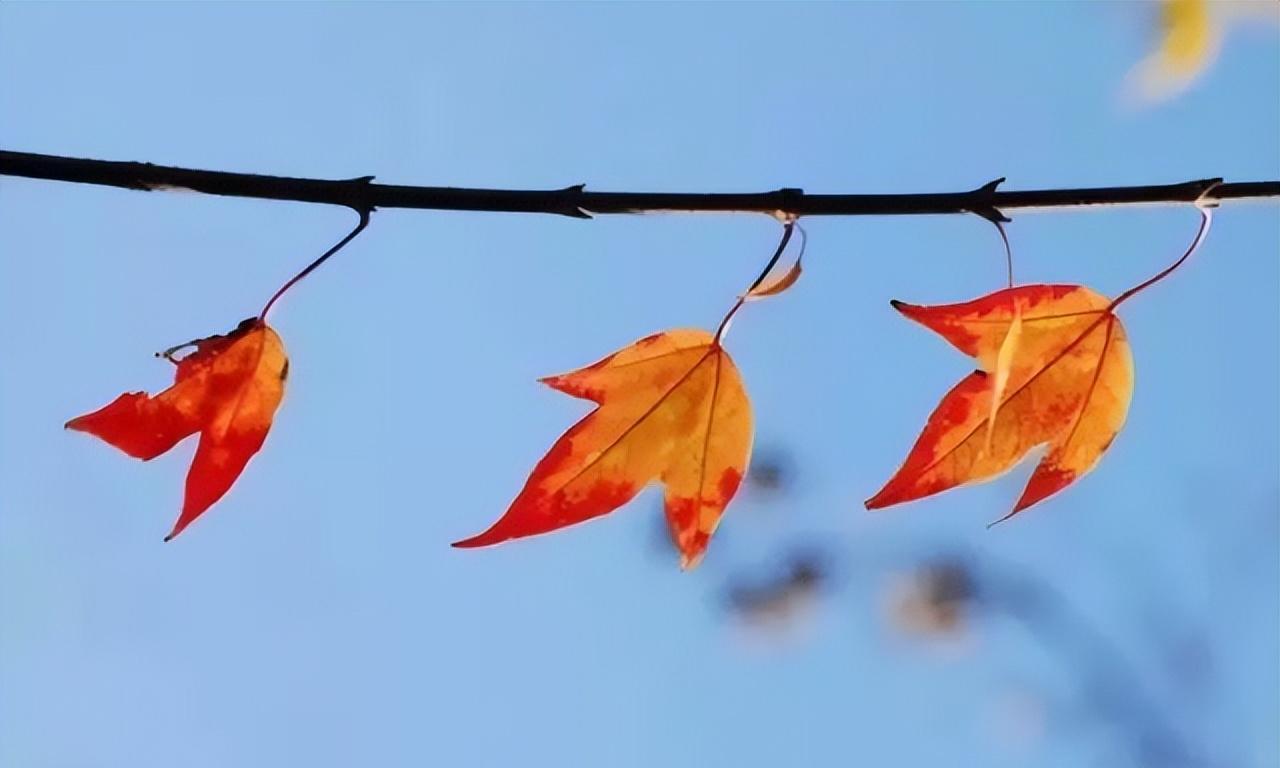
x,y
317,615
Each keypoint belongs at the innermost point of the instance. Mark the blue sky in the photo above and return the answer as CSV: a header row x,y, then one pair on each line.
x,y
317,616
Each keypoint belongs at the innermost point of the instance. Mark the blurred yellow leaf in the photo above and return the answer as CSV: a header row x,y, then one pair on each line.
x,y
1188,43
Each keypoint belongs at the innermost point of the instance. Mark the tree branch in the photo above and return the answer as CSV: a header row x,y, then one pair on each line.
x,y
363,195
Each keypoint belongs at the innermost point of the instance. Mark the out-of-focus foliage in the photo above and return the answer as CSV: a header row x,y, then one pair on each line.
x,y
771,471
934,599
1190,34
782,597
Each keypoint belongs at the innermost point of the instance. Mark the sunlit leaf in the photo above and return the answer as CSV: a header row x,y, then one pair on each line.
x,y
1069,382
1004,364
671,408
228,390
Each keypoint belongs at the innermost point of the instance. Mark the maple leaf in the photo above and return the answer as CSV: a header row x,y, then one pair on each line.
x,y
228,390
1056,370
671,407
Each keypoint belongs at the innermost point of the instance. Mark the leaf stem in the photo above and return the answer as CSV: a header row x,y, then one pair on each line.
x,y
1206,218
364,222
1008,251
787,229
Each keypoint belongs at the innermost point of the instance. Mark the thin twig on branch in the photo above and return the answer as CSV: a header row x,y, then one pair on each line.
x,y
362,194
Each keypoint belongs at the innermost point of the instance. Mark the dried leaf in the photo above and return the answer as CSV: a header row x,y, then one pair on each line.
x,y
228,390
672,408
771,284
776,285
1069,382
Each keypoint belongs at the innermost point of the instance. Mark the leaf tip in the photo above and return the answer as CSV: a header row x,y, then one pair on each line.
x,y
885,497
473,542
910,310
559,382
1027,500
178,528
77,424
691,557
994,523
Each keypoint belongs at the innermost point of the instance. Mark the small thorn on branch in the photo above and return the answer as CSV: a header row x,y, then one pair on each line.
x,y
574,210
361,185
983,203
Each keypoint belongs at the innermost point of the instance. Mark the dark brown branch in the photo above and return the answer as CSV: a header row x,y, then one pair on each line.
x,y
363,195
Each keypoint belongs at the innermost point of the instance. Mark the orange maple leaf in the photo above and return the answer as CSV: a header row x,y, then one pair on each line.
x,y
1056,370
671,407
228,390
